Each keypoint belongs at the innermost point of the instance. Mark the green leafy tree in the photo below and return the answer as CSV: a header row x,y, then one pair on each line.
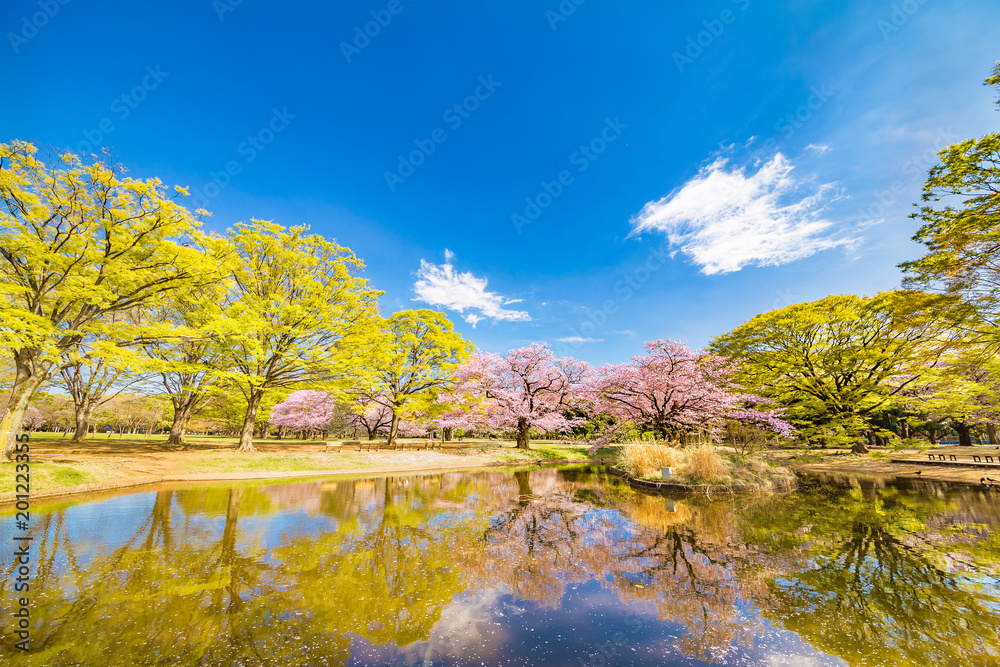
x,y
414,357
963,391
78,243
834,362
301,311
960,218
190,363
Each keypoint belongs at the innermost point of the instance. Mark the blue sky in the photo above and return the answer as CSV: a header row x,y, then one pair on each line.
x,y
542,171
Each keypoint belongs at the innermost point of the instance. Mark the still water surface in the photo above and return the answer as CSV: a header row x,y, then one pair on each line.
x,y
530,567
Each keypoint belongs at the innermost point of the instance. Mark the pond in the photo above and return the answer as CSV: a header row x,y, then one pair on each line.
x,y
538,566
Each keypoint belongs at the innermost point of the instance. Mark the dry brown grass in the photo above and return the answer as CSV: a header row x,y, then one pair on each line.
x,y
706,464
644,459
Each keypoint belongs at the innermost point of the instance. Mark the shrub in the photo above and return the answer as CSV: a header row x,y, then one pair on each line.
x,y
644,459
707,465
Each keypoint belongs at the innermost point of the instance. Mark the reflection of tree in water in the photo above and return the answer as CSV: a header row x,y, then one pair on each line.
x,y
197,584
873,581
222,576
675,556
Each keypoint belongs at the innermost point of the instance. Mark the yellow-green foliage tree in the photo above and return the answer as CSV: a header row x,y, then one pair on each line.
x,y
834,362
79,242
961,226
962,391
414,356
93,375
189,364
301,310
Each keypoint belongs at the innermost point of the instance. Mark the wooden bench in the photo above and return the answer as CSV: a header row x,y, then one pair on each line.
x,y
339,446
367,445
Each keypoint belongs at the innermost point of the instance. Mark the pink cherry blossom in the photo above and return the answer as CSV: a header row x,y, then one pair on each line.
x,y
674,389
527,388
370,415
304,410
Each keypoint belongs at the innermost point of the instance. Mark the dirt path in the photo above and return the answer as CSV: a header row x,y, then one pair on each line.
x,y
113,464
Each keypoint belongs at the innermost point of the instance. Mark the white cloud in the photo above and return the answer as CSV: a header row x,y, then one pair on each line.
x,y
725,219
579,340
623,332
819,148
441,285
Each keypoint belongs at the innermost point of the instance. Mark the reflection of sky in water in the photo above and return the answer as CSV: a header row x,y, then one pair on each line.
x,y
589,626
543,578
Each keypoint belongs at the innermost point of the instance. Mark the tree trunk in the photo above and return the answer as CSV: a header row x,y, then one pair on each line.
x,y
522,433
178,429
13,413
393,430
964,434
447,433
523,483
228,553
249,421
83,414
991,431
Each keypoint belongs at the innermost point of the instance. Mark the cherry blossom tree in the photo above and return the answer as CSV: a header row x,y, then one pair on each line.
x,y
674,390
33,419
527,388
304,410
370,415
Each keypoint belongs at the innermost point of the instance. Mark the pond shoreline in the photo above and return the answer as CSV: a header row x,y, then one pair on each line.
x,y
780,484
910,472
10,497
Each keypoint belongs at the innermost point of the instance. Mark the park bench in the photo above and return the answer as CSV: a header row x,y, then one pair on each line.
x,y
979,458
368,444
339,446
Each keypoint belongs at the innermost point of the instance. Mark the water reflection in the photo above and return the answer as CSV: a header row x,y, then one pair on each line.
x,y
540,566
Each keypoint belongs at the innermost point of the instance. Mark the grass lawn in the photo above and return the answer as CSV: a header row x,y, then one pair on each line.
x,y
231,461
54,475
58,463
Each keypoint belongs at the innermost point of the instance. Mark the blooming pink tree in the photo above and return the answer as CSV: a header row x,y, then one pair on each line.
x,y
674,389
33,419
305,410
371,415
527,388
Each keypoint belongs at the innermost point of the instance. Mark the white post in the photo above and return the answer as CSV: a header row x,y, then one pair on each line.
x,y
667,473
